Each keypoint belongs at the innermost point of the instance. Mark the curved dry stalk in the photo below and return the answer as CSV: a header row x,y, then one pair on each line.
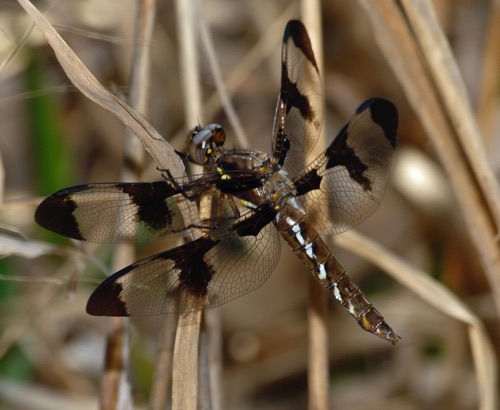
x,y
163,154
404,55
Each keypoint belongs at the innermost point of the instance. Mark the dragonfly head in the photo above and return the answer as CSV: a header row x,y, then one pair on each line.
x,y
203,141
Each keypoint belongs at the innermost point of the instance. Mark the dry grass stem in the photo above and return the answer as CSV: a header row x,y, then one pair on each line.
x,y
115,385
318,364
139,86
189,65
434,107
83,79
185,364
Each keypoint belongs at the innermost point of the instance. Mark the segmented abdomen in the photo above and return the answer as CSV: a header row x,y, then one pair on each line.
x,y
310,248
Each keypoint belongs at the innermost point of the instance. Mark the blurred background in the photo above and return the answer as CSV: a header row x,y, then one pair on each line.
x,y
51,137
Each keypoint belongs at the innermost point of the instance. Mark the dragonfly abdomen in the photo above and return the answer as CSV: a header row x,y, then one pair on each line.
x,y
305,242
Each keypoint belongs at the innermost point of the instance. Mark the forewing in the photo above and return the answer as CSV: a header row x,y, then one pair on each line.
x,y
299,111
204,273
116,212
347,182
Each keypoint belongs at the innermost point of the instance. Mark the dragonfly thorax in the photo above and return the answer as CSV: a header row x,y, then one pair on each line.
x,y
278,189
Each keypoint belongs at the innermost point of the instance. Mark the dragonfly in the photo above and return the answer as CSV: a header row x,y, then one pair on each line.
x,y
244,201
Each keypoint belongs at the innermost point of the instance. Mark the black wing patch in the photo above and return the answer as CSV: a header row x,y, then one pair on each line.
x,y
116,212
203,273
56,213
299,111
341,155
346,183
117,295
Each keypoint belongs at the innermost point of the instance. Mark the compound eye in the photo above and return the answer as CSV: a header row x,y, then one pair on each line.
x,y
218,134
